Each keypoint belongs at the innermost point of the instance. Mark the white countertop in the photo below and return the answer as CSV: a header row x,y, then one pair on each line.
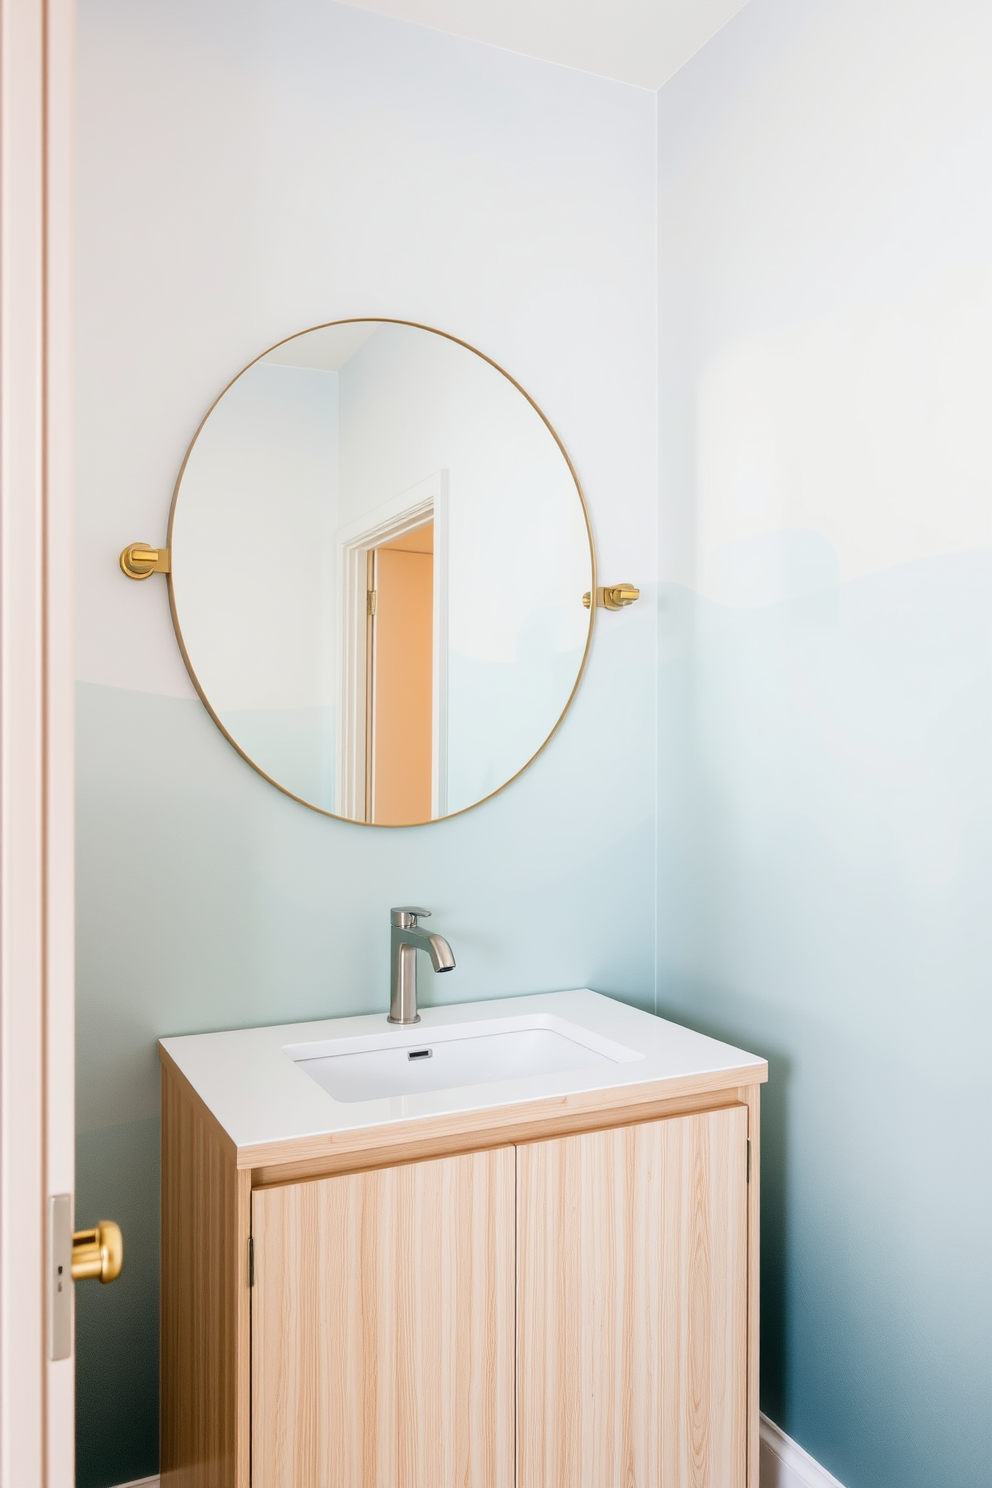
x,y
260,1096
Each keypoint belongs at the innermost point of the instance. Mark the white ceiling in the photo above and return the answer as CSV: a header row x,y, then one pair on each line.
x,y
635,41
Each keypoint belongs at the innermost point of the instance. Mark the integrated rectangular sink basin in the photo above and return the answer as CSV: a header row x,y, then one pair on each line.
x,y
407,1061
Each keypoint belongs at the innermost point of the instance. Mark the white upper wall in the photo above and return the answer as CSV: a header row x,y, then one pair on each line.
x,y
286,165
828,286
634,41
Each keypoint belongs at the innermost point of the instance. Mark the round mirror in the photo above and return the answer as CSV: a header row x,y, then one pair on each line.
x,y
381,570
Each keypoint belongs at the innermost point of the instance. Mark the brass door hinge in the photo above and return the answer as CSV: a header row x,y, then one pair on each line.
x,y
370,601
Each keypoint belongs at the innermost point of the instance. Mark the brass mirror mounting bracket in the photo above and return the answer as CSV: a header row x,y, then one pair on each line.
x,y
138,560
613,597
98,1254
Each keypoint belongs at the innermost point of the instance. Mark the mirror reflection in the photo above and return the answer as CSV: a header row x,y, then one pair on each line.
x,y
379,555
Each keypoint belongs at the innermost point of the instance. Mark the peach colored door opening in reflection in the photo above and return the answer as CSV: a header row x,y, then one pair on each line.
x,y
400,680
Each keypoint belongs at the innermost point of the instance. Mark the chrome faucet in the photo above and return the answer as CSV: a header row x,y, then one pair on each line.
x,y
406,939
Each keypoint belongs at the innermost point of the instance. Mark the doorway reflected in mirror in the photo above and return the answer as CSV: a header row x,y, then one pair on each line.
x,y
379,550
400,786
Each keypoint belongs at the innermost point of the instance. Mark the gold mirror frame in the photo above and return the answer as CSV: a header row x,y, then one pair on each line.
x,y
416,325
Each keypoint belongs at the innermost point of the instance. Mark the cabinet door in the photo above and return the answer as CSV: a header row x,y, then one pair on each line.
x,y
632,1306
382,1328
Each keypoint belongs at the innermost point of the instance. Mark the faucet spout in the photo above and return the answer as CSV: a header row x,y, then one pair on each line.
x,y
406,939
440,952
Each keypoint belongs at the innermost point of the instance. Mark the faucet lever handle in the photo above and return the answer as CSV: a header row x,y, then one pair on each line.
x,y
406,917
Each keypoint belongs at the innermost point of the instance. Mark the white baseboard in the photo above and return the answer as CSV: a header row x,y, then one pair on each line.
x,y
784,1464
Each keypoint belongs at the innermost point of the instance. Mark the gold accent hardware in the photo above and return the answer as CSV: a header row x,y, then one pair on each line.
x,y
98,1254
138,560
613,597
371,601
618,596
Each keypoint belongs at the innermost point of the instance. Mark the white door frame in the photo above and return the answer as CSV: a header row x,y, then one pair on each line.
x,y
424,502
37,82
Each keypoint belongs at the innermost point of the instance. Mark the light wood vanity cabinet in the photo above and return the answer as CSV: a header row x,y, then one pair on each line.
x,y
382,1327
632,1306
559,1295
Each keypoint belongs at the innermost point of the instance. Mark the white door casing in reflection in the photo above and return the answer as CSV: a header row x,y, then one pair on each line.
x,y
427,501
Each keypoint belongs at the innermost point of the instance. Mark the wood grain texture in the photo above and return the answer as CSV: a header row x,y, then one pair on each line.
x,y
205,1309
492,1124
383,1328
406,1145
632,1306
751,1095
204,1114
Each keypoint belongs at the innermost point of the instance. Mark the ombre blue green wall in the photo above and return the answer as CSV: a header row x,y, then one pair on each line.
x,y
247,170
797,854
825,702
